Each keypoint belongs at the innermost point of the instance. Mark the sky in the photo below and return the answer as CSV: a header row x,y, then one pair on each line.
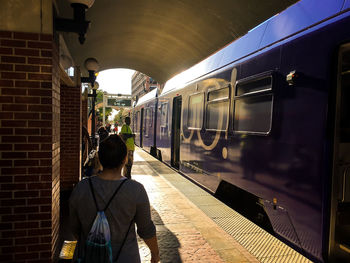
x,y
115,81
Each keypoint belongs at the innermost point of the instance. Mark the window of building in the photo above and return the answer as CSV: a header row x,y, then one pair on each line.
x,y
253,106
218,110
195,111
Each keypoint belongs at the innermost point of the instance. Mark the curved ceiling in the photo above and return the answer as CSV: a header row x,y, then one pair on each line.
x,y
163,37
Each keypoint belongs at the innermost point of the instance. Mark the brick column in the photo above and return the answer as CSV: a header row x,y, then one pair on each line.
x,y
30,147
70,136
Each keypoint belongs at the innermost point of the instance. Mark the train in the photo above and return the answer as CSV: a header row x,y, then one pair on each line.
x,y
264,125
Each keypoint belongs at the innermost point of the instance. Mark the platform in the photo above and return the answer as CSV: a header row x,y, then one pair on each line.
x,y
192,225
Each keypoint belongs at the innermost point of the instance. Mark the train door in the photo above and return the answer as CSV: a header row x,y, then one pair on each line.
x,y
175,138
136,125
141,127
340,198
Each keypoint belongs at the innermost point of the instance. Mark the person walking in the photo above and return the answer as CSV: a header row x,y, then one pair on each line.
x,y
128,137
128,207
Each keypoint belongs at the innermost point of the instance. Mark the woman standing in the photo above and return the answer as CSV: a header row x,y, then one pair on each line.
x,y
131,204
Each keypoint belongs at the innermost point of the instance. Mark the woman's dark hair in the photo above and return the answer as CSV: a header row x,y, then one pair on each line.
x,y
112,152
127,120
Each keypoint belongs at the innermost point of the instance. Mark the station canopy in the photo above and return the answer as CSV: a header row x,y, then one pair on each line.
x,y
162,38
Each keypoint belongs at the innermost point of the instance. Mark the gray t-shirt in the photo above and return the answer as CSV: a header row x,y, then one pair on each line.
x,y
130,203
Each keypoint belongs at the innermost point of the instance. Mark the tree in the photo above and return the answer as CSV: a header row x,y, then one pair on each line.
x,y
99,111
99,97
119,116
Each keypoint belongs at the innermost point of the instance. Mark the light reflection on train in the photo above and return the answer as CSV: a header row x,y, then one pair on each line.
x,y
263,124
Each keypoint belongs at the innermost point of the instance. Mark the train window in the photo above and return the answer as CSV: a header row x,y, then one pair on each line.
x,y
150,117
217,110
195,111
164,115
218,94
253,106
147,121
257,85
217,115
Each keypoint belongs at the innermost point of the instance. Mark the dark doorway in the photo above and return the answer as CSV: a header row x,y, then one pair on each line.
x,y
176,130
340,199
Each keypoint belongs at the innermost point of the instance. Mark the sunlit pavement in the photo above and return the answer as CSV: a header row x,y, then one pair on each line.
x,y
192,225
185,233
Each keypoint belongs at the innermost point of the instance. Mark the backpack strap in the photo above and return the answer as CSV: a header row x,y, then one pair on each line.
x,y
126,235
93,193
116,191
110,200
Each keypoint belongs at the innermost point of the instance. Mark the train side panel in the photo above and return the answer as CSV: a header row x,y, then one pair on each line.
x,y
261,126
246,125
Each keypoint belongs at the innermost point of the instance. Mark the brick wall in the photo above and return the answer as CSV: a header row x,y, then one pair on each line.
x,y
70,136
29,149
55,200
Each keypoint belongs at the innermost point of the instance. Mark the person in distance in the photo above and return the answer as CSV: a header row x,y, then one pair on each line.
x,y
129,139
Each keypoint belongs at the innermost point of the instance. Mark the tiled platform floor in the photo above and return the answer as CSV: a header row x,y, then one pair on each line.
x,y
193,226
185,233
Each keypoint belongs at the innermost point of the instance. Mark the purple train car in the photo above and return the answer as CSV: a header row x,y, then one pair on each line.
x,y
264,124
143,121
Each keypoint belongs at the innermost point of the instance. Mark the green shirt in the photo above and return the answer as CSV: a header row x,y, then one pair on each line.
x,y
130,144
